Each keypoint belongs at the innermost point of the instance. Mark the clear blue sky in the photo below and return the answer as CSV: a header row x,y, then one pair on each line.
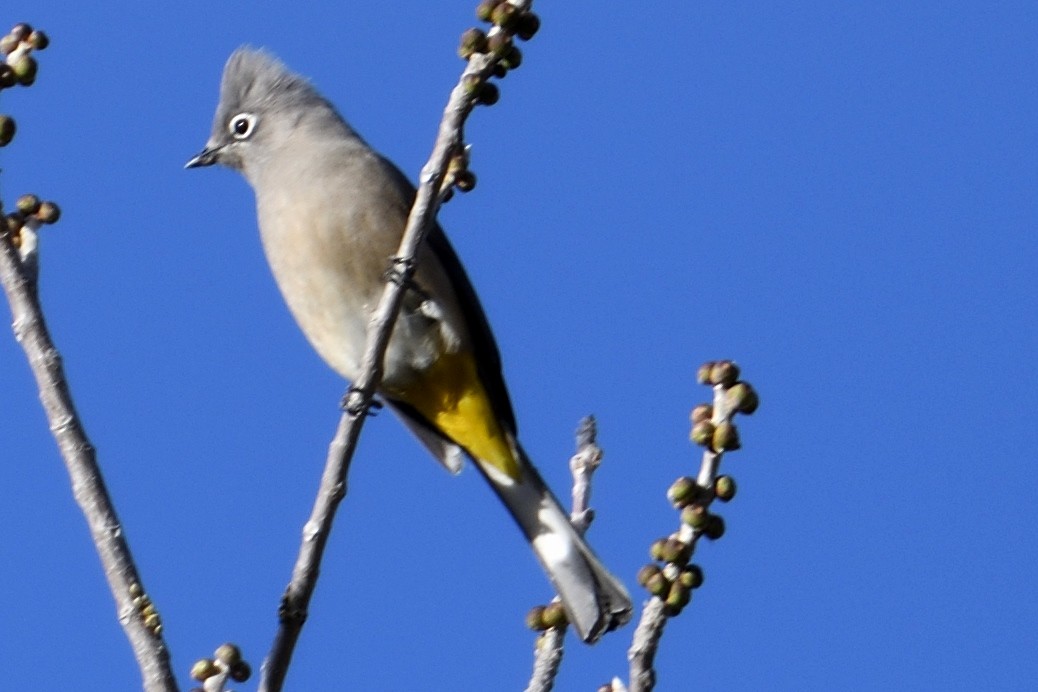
x,y
842,197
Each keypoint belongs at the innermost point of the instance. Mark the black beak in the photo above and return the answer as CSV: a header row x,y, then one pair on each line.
x,y
206,157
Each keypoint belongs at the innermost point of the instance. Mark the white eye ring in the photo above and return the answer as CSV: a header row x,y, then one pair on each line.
x,y
242,125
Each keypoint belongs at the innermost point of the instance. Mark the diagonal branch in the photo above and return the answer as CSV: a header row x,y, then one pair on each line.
x,y
672,586
431,192
18,274
136,613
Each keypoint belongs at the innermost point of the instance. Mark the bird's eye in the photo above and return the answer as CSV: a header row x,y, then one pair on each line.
x,y
242,125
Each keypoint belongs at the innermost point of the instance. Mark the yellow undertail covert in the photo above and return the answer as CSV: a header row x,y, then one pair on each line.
x,y
450,396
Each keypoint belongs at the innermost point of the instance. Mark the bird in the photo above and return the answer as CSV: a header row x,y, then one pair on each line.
x,y
331,212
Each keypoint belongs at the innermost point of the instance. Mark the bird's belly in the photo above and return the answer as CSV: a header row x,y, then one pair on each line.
x,y
332,297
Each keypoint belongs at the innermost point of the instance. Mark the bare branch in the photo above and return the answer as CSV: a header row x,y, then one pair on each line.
x,y
548,649
430,194
137,614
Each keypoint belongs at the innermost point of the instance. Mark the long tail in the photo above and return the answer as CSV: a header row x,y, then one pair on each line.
x,y
595,600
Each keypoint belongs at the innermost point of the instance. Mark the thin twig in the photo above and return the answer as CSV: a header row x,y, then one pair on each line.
x,y
548,649
647,635
81,463
296,600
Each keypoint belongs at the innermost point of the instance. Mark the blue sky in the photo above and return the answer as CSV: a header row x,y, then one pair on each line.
x,y
841,197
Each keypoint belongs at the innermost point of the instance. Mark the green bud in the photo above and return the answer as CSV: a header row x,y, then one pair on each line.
x,y
695,516
136,590
742,398
7,78
38,40
702,433
485,9
499,43
691,576
535,619
724,488
228,653
647,572
499,71
505,15
15,220
21,31
49,212
703,374
554,615
658,585
657,549
724,372
726,438
472,41
512,59
677,551
678,597
153,623
465,181
701,412
25,70
241,671
527,26
28,204
7,129
204,669
684,491
489,94
8,44
714,527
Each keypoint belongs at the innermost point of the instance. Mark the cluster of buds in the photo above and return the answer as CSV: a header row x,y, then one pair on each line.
x,y
31,213
227,662
546,617
509,20
673,581
19,67
718,433
146,609
713,429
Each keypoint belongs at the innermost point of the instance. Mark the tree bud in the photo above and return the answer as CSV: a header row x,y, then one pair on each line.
x,y
49,212
38,40
204,669
228,653
554,615
472,41
724,372
742,398
726,437
485,9
535,619
724,488
702,433
527,26
701,412
7,129
714,527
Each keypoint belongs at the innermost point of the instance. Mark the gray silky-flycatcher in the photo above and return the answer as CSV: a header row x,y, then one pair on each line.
x,y
331,215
